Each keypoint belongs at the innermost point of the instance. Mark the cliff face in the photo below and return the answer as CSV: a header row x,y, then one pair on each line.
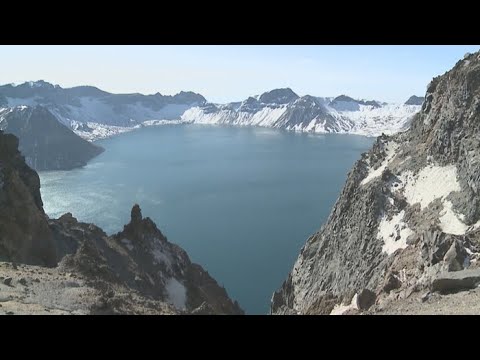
x,y
137,271
409,212
24,233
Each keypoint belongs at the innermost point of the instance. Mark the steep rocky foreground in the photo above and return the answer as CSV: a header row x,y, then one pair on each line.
x,y
62,266
404,235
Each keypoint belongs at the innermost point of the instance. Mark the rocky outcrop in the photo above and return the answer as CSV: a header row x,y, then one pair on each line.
x,y
138,259
82,269
458,280
44,141
24,233
409,210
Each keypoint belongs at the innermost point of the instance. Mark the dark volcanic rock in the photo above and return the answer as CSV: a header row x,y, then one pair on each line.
x,y
392,282
136,215
456,281
365,299
435,245
139,258
24,233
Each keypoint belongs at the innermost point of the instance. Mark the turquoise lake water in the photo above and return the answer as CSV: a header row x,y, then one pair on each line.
x,y
240,201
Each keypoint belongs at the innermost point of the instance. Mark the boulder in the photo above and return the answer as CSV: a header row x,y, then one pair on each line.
x,y
455,257
365,299
450,282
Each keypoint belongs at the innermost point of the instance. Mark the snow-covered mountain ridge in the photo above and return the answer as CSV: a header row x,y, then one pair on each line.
x,y
283,109
95,114
89,104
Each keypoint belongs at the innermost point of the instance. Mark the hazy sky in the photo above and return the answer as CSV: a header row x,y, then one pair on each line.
x,y
232,73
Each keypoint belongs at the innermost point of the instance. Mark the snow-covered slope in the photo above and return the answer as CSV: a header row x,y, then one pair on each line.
x,y
88,104
283,109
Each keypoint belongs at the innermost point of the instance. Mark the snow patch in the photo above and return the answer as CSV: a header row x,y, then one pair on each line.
x,y
393,233
372,121
13,102
432,182
451,222
390,150
265,117
177,293
97,131
161,257
163,122
128,244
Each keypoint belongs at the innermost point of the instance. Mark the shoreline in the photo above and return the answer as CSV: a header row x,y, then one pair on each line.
x,y
101,131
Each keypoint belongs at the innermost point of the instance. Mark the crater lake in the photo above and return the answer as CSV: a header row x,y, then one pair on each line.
x,y
240,201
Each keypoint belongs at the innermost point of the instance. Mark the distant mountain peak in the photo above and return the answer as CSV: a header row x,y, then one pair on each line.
x,y
38,83
307,99
345,98
278,96
415,100
189,97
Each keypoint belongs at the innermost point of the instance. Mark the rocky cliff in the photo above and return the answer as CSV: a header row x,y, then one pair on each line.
x,y
62,266
24,233
407,223
44,141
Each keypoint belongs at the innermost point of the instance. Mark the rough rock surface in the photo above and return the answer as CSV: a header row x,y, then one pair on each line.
x,y
138,260
25,236
460,303
458,280
81,269
410,208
